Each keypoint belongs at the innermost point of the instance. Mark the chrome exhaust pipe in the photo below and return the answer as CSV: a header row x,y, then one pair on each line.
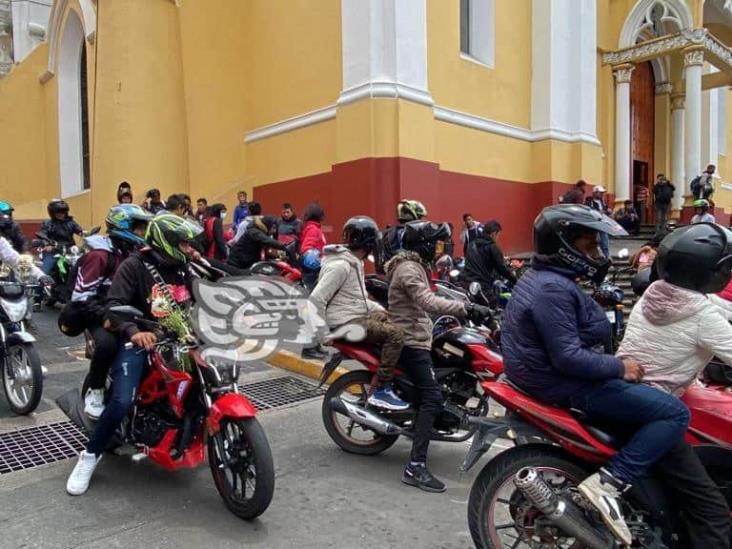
x,y
363,417
562,513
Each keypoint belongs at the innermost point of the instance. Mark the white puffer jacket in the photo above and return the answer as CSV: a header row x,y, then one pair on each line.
x,y
674,333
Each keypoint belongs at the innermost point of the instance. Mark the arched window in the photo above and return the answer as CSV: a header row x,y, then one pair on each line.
x,y
73,116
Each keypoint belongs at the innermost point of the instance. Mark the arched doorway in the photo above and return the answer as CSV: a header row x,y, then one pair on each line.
x,y
642,124
73,120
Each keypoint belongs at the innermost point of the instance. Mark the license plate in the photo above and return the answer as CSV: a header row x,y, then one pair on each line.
x,y
610,316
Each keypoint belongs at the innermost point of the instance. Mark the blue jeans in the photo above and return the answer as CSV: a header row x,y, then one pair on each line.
x,y
48,262
605,244
658,420
126,372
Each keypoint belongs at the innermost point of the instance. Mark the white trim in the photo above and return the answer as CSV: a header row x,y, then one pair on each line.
x,y
470,58
451,116
290,124
56,19
635,20
389,90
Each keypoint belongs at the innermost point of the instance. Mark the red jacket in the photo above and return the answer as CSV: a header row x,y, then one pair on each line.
x,y
312,237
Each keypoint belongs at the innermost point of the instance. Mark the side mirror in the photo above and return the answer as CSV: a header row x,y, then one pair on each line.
x,y
623,254
125,312
474,288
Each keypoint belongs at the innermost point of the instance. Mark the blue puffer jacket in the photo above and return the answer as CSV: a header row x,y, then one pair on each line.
x,y
553,335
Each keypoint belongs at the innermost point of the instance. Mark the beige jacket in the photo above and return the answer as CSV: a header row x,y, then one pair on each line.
x,y
340,295
412,301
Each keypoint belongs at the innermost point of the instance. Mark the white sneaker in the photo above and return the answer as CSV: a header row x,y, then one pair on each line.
x,y
94,403
604,496
44,370
79,478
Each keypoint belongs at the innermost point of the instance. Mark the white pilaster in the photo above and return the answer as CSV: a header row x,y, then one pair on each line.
x,y
30,25
710,123
678,177
693,64
564,71
622,132
384,50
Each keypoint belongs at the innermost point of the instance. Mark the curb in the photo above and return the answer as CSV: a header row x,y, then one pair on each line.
x,y
308,368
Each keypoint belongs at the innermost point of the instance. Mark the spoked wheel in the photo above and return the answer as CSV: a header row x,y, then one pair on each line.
x,y
353,387
23,378
498,514
241,463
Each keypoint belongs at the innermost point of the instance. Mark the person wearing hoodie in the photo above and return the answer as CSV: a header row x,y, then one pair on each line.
x,y
411,302
340,296
552,338
312,242
674,331
256,239
484,262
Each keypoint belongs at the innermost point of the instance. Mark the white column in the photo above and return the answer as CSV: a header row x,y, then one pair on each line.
x,y
384,50
677,151
622,132
693,64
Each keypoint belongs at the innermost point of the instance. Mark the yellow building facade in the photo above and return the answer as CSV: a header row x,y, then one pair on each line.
x,y
492,107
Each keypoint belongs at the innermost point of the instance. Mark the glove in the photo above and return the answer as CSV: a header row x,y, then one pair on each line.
x,y
478,313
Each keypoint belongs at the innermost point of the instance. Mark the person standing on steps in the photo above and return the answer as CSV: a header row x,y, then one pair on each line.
x,y
663,193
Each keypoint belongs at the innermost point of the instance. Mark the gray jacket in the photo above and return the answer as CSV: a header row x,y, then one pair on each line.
x,y
340,294
412,301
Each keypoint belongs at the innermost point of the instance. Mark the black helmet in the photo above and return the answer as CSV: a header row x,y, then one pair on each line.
x,y
57,206
696,257
557,227
422,237
361,232
166,231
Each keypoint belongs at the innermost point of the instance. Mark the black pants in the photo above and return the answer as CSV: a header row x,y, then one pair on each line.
x,y
704,506
417,363
106,345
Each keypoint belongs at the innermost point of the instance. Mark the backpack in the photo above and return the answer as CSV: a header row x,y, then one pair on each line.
x,y
393,241
695,185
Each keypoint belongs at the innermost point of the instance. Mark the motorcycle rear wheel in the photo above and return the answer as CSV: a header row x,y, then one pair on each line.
x,y
347,384
487,528
240,458
23,391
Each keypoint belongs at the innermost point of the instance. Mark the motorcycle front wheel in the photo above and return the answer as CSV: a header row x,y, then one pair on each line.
x,y
22,378
500,517
243,470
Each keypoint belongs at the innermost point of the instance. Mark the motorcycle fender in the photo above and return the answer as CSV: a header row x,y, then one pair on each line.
x,y
20,337
488,431
232,405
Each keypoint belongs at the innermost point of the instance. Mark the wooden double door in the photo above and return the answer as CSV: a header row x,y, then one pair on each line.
x,y
642,124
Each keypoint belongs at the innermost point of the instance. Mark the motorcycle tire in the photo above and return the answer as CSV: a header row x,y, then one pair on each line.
x,y
21,399
367,448
500,471
260,457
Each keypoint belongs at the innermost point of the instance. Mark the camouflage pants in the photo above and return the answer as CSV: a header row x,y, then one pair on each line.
x,y
379,331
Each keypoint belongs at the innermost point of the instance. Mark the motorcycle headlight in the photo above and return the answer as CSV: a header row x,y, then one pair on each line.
x,y
15,310
228,372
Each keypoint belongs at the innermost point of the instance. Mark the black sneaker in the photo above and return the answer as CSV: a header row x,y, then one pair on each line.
x,y
420,477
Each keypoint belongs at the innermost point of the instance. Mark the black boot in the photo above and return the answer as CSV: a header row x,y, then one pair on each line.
x,y
419,476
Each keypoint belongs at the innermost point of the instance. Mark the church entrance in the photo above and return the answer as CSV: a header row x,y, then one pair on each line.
x,y
642,123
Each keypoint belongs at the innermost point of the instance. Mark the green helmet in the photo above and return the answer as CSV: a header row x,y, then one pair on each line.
x,y
5,208
701,203
166,231
410,210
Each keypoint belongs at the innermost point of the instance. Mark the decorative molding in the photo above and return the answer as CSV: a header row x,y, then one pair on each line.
x,y
57,18
664,88
290,124
677,101
622,73
693,58
640,22
389,90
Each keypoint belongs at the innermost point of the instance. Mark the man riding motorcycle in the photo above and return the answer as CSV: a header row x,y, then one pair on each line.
x,y
61,228
407,210
126,226
166,259
411,302
340,296
674,331
553,338
9,229
484,262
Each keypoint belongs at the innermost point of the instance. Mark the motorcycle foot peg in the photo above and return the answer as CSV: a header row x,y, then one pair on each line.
x,y
137,458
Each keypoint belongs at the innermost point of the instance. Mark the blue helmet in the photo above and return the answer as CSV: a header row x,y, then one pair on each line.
x,y
122,219
5,208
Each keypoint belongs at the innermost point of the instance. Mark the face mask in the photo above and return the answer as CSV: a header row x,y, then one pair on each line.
x,y
223,215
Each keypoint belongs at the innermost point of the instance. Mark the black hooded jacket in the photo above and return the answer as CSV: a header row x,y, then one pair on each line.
x,y
484,262
248,249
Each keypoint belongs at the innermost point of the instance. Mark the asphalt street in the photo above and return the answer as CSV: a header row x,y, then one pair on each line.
x,y
324,497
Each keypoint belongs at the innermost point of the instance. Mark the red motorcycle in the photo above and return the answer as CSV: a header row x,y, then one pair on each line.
x,y
527,496
188,408
462,358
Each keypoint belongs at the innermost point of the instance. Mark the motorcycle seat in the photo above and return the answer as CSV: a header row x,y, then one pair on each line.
x,y
597,429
